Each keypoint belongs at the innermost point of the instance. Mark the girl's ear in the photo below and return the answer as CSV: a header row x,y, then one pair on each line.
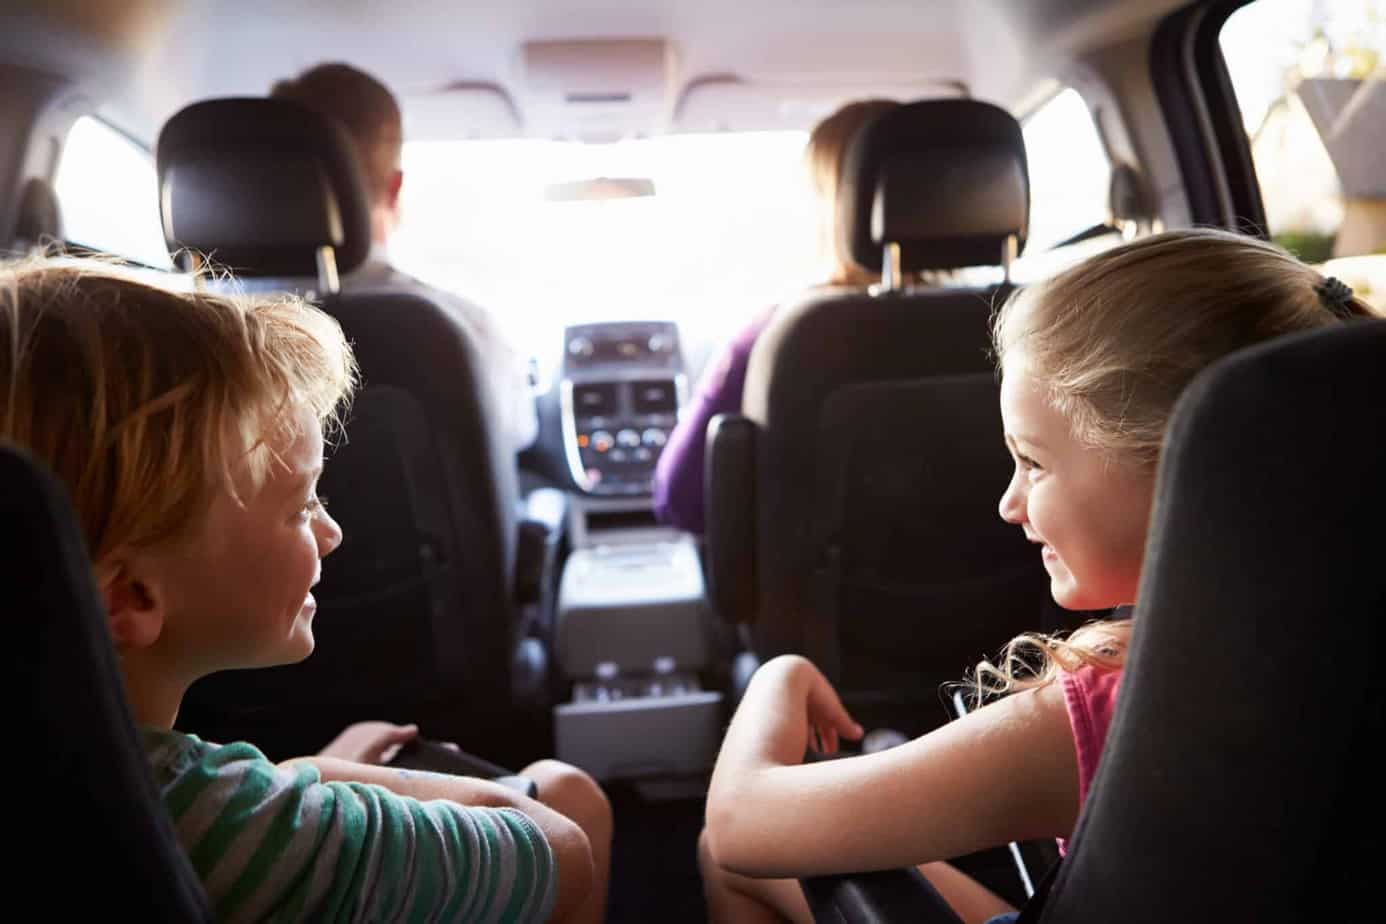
x,y
134,604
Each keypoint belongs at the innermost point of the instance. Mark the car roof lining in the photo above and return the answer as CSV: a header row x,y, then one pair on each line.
x,y
150,57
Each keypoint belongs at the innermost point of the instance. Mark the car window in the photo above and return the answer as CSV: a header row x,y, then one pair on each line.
x,y
727,231
108,193
1069,170
1309,81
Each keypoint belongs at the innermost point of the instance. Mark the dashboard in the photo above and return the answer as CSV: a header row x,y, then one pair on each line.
x,y
622,387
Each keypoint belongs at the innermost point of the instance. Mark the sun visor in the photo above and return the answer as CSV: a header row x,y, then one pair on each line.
x,y
599,89
728,102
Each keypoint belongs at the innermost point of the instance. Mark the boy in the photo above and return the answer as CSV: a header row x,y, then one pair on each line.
x,y
188,429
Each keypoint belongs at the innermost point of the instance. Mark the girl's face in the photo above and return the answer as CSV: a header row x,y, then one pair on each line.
x,y
1087,511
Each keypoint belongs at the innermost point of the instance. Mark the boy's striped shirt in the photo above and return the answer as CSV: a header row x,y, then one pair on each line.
x,y
272,843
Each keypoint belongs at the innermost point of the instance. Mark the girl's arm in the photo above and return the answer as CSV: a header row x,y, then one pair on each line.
x,y
1005,772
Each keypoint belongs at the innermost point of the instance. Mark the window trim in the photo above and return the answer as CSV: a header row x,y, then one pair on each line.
x,y
1200,108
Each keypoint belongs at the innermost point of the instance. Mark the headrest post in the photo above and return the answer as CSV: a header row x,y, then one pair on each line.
x,y
195,266
890,269
328,283
1009,248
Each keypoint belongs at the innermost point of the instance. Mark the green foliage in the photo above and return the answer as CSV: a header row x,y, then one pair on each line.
x,y
1309,246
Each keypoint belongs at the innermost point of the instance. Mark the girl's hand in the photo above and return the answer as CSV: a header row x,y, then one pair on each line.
x,y
807,690
370,742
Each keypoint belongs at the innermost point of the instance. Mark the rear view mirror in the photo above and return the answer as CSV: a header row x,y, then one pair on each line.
x,y
599,189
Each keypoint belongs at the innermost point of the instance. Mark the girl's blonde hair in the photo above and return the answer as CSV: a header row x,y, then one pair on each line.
x,y
1116,339
827,146
144,400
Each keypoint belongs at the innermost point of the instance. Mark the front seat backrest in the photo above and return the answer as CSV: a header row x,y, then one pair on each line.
x,y
416,607
878,455
93,817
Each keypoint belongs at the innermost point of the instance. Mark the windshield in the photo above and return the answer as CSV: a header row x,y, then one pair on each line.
x,y
730,230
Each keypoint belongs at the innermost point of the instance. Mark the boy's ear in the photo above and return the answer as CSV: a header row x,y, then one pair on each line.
x,y
134,606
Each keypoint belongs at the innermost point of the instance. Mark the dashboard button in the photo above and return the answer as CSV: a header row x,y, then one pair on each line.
x,y
617,455
654,437
643,455
602,441
628,438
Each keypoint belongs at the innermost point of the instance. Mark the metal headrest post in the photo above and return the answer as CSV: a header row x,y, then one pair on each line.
x,y
891,279
328,281
1010,247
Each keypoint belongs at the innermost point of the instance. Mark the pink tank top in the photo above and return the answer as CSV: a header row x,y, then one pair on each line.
x,y
1090,697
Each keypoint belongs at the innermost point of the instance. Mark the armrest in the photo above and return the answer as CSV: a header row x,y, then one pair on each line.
x,y
888,897
435,757
729,501
536,547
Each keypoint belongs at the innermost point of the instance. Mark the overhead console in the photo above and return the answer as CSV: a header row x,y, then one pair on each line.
x,y
622,387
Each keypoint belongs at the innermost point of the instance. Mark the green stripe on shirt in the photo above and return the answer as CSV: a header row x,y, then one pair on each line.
x,y
275,843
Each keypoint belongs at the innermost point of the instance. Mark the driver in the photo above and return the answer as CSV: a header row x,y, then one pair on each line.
x,y
371,116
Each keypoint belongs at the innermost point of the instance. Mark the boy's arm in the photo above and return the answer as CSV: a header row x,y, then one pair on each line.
x,y
1005,772
572,852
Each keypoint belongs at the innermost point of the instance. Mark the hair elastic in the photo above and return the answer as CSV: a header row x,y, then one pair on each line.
x,y
1336,296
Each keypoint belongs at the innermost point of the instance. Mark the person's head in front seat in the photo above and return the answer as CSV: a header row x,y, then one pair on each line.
x,y
827,146
1092,364
371,115
188,430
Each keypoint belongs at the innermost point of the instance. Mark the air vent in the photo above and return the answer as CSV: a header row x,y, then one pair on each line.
x,y
654,397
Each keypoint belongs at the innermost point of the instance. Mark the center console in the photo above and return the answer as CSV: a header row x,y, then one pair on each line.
x,y
632,629
622,387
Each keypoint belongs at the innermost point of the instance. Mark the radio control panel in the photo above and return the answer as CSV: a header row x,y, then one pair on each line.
x,y
622,389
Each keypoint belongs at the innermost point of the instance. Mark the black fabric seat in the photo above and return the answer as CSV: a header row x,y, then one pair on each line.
x,y
419,617
92,818
852,507
1236,783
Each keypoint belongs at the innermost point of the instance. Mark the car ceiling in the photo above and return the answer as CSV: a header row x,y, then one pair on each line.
x,y
462,71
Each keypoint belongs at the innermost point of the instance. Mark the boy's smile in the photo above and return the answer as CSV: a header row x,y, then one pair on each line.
x,y
236,591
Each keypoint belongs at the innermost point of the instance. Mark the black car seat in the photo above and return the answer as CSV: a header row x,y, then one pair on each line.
x,y
852,506
1236,783
419,615
92,820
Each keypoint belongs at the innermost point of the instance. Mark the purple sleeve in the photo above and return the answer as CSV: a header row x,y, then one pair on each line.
x,y
678,481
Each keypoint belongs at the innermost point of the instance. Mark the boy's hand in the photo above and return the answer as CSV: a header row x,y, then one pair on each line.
x,y
370,742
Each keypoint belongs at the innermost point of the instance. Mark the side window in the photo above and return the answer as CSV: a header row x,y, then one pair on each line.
x,y
1069,180
1309,78
108,192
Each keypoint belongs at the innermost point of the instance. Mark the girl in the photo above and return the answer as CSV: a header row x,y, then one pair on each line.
x,y
1092,363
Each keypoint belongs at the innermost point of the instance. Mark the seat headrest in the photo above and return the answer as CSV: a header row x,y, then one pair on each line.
x,y
260,184
39,219
946,179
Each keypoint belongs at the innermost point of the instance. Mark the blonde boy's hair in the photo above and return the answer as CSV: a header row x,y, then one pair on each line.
x,y
145,400
1115,340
